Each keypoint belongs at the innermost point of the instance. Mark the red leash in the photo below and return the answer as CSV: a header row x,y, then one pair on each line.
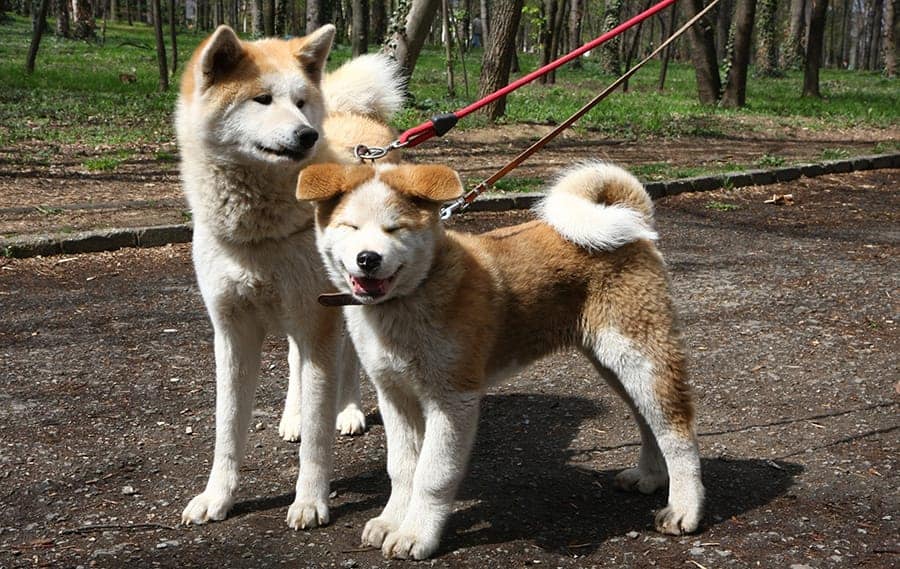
x,y
441,124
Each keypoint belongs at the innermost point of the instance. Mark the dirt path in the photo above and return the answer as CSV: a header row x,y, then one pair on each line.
x,y
62,196
790,315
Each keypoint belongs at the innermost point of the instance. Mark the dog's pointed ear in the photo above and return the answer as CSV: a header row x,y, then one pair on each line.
x,y
312,51
222,52
320,182
429,182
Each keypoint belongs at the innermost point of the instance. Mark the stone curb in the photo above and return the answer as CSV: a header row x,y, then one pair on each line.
x,y
155,236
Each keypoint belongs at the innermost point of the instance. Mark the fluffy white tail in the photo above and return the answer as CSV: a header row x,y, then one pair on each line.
x,y
598,206
370,85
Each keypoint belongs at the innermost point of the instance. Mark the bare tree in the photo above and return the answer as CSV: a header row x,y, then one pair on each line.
x,y
407,39
814,45
360,35
889,41
766,39
378,22
609,51
447,34
576,15
314,15
62,18
485,21
499,53
792,54
735,93
257,27
173,33
39,22
703,54
160,46
83,13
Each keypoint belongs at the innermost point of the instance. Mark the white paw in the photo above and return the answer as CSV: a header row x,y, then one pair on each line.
x,y
645,482
408,545
351,421
678,520
304,514
205,507
289,427
376,530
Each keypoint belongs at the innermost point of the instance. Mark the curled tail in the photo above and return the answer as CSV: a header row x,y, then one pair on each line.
x,y
598,206
370,85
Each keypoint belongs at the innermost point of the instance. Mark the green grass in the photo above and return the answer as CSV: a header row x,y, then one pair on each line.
x,y
76,97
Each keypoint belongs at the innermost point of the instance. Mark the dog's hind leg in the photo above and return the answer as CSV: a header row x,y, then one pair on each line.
x,y
238,344
289,427
350,419
655,390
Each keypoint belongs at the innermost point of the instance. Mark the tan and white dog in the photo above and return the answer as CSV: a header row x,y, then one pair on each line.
x,y
444,315
250,115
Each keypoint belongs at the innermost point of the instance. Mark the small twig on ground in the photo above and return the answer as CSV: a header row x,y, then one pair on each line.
x,y
116,527
695,563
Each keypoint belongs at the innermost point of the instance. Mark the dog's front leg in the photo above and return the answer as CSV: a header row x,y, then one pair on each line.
x,y
404,426
319,349
238,343
450,426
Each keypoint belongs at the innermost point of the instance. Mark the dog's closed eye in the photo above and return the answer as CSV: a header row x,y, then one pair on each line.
x,y
349,226
393,228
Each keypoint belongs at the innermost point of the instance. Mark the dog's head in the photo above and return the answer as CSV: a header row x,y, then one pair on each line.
x,y
378,226
255,102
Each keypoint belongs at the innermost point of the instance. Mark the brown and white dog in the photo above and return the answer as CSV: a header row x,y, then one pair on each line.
x,y
438,316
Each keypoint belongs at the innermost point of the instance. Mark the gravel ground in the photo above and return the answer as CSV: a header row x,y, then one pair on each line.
x,y
790,316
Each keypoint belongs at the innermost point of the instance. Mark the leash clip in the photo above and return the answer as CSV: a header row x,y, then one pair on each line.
x,y
373,153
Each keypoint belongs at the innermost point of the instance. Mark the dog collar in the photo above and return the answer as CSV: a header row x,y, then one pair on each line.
x,y
338,299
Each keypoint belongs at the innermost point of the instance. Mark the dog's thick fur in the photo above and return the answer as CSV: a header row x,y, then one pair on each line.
x,y
444,315
250,115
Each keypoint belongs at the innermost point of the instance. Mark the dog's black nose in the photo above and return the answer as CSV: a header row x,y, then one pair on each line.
x,y
306,137
369,261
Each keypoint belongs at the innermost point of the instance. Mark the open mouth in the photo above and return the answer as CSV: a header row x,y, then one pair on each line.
x,y
283,152
367,287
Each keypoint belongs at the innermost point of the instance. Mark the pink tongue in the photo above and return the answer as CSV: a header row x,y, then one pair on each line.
x,y
371,287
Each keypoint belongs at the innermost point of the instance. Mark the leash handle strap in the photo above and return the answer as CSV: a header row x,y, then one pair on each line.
x,y
437,125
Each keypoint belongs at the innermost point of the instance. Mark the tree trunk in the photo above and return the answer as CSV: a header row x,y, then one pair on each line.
x,y
723,14
256,18
360,38
609,51
548,21
448,46
792,53
378,21
314,16
406,44
814,49
703,54
889,41
873,43
667,53
113,14
62,18
766,39
173,33
485,21
576,14
39,22
499,53
83,13
735,94
160,47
